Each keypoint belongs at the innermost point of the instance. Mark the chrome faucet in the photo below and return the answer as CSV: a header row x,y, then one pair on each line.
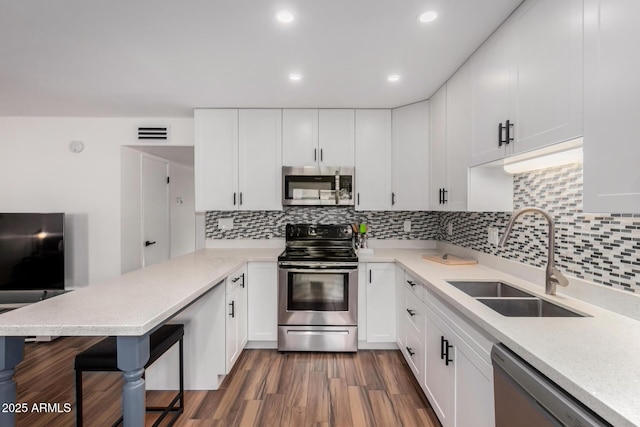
x,y
553,276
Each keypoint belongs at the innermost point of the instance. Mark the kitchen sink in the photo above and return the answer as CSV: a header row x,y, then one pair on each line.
x,y
527,307
509,300
479,289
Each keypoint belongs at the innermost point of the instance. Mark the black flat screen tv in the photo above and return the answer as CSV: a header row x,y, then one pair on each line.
x,y
31,251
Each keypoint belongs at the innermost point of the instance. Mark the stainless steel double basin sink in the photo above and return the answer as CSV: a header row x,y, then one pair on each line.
x,y
511,301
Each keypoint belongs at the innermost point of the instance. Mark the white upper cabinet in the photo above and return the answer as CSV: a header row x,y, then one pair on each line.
x,y
260,159
459,134
312,137
373,160
492,76
300,137
527,81
438,147
238,159
547,48
611,150
336,138
410,157
216,159
451,123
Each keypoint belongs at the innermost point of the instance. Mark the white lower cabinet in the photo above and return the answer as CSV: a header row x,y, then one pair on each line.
x,y
448,356
236,321
377,288
263,301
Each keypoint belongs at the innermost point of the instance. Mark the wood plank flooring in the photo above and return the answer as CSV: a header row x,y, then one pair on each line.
x,y
265,388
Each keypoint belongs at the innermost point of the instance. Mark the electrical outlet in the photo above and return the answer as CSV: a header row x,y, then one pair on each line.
x,y
449,229
225,223
407,226
493,235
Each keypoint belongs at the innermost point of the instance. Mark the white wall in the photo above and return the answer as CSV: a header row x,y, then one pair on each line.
x,y
38,173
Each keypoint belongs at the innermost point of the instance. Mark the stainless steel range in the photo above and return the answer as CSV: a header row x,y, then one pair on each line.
x,y
318,289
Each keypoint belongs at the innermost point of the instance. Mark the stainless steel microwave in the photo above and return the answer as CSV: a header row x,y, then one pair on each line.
x,y
318,186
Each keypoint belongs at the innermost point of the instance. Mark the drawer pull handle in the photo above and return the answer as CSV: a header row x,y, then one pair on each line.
x,y
410,351
411,282
411,312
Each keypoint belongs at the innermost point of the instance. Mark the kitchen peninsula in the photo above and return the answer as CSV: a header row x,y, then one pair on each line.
x,y
130,307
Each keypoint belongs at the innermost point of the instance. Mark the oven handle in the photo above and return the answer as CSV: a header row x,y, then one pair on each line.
x,y
317,332
318,270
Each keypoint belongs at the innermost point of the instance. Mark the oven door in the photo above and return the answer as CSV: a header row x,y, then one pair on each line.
x,y
318,296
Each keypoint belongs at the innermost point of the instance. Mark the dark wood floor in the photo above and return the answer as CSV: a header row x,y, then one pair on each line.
x,y
265,388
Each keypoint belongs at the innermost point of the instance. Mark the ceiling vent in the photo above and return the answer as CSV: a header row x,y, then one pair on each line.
x,y
158,133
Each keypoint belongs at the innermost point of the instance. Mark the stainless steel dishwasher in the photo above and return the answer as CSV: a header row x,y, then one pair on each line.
x,y
526,398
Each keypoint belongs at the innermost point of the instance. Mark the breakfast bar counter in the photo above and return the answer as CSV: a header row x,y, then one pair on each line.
x,y
130,307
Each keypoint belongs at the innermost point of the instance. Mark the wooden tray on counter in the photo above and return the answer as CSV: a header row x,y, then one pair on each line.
x,y
449,259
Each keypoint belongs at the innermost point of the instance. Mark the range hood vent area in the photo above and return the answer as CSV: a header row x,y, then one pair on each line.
x,y
157,133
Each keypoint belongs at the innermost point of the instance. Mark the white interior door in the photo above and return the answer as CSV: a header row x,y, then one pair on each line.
x,y
155,211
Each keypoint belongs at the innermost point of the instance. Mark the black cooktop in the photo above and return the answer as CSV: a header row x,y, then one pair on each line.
x,y
319,242
330,254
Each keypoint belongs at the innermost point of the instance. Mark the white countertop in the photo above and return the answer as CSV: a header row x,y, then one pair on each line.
x,y
134,303
593,358
596,359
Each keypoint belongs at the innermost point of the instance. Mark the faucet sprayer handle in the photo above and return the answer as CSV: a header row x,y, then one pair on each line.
x,y
559,278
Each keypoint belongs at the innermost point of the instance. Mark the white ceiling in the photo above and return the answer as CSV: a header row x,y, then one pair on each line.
x,y
128,58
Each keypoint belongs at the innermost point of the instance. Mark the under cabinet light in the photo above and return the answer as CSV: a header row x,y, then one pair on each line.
x,y
547,161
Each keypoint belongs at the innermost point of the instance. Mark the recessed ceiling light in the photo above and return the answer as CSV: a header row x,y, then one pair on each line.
x,y
295,77
285,16
393,78
427,16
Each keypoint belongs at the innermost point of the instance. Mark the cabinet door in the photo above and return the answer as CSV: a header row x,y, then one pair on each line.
x,y
473,389
611,151
438,147
373,160
547,47
410,157
459,122
336,134
381,303
300,137
440,377
231,338
260,159
491,72
216,159
262,288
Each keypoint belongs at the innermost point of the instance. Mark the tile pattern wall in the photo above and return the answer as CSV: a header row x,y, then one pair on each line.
x,y
600,248
271,224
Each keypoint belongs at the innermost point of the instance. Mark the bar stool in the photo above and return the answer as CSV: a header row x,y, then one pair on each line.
x,y
103,357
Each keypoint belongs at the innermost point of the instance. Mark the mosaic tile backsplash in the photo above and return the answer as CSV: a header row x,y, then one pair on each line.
x,y
599,248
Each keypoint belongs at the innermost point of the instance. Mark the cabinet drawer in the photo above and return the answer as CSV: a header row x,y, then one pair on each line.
x,y
413,352
414,285
414,312
236,280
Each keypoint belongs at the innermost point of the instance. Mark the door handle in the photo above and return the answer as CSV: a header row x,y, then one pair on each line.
x,y
321,155
501,129
411,312
410,351
442,341
233,309
447,360
149,243
444,196
508,128
370,276
411,282
393,199
315,154
234,199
